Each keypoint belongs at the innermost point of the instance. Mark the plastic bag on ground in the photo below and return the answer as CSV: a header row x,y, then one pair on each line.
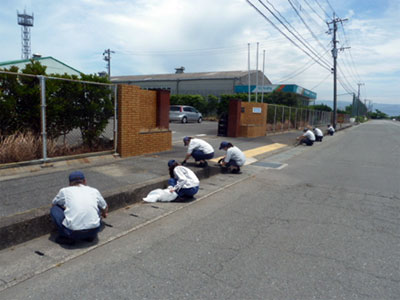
x,y
161,195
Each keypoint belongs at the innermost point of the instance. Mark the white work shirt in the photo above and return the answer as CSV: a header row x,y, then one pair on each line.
x,y
81,204
310,135
197,144
186,178
318,132
331,129
235,154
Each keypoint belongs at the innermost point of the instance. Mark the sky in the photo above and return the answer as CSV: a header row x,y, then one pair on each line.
x,y
155,37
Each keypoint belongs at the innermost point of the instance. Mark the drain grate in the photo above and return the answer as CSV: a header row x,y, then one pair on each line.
x,y
269,165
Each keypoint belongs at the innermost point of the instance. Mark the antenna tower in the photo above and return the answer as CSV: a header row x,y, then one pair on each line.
x,y
26,21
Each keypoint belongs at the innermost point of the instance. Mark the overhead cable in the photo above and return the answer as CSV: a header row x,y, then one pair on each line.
x,y
293,42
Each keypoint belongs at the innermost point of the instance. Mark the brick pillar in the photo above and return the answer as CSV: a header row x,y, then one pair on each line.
x,y
163,109
128,119
234,117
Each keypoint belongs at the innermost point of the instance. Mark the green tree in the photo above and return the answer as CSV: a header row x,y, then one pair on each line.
x,y
9,90
94,108
197,101
377,115
320,107
212,105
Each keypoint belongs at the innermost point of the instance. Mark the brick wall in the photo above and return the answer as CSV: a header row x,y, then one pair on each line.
x,y
253,124
137,122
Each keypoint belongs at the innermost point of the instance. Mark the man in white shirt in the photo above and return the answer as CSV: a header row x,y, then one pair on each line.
x,y
200,150
182,180
318,134
307,137
76,211
233,159
331,130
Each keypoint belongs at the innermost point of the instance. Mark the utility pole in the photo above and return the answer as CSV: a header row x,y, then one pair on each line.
x,y
358,98
334,55
107,58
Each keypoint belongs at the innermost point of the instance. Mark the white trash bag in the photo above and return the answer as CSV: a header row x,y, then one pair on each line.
x,y
161,195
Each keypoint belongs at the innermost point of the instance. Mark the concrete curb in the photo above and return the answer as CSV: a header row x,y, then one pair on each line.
x,y
31,224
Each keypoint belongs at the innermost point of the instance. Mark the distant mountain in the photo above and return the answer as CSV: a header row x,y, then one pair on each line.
x,y
389,109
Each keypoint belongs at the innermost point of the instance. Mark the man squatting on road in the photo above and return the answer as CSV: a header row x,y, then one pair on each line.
x,y
76,211
318,134
307,137
200,150
331,130
233,159
183,181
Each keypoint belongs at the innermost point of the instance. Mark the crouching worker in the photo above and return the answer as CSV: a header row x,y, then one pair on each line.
x,y
183,181
307,137
331,130
76,211
200,150
318,134
233,159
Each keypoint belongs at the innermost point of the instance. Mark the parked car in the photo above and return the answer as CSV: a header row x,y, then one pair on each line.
x,y
184,114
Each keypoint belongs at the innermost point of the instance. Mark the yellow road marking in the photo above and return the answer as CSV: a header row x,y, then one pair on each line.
x,y
257,151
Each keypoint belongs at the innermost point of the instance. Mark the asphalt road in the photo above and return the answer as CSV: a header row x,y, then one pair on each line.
x,y
326,226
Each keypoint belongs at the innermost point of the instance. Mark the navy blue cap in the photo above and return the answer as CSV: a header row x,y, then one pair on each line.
x,y
223,145
76,175
171,162
186,139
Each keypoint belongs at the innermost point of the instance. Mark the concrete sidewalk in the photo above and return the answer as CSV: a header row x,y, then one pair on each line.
x,y
26,192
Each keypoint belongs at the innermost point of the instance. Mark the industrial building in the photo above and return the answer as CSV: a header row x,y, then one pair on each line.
x,y
53,65
204,83
214,83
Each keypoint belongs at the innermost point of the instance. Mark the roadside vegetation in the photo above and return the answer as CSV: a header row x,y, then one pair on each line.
x,y
70,105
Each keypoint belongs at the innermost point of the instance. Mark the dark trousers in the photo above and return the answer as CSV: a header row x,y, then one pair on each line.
x,y
58,216
318,138
307,141
190,192
231,163
199,155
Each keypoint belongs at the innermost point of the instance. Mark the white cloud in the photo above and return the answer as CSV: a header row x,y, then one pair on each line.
x,y
147,34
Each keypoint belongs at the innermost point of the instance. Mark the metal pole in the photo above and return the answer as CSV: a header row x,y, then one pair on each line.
x,y
290,116
262,91
43,113
257,73
283,115
275,119
248,65
295,119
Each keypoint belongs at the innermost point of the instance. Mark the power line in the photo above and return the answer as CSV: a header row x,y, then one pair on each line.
x,y
305,24
331,7
321,82
277,28
301,70
308,46
317,14
320,6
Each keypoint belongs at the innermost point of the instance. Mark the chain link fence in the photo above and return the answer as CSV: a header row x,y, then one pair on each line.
x,y
284,118
44,117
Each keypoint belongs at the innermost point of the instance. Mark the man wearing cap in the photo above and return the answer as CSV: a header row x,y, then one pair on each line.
x,y
182,180
307,137
200,150
233,159
76,211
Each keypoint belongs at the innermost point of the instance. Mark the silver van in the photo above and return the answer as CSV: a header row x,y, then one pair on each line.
x,y
184,114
